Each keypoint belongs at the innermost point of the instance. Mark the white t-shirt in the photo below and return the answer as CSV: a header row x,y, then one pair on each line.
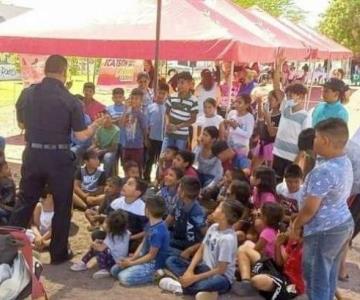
x,y
203,94
290,126
283,191
240,136
204,122
137,207
118,245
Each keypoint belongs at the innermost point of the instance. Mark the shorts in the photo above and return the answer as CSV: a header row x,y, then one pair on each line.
x,y
284,289
264,151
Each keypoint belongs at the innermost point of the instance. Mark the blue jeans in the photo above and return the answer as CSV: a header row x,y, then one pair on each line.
x,y
170,141
321,260
109,162
2,143
135,275
215,283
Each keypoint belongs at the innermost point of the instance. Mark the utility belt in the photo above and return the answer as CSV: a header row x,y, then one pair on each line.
x,y
49,146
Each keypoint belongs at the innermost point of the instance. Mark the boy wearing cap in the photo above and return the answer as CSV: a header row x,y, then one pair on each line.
x,y
333,92
181,111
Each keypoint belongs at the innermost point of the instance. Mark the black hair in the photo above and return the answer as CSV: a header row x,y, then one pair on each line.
x,y
80,97
156,206
163,86
185,75
178,172
89,85
117,222
3,163
335,129
118,91
56,64
297,89
219,147
212,131
142,75
306,139
173,148
190,186
171,70
247,100
233,211
137,92
89,154
210,101
130,164
277,94
293,171
116,181
45,191
267,178
240,191
187,156
274,214
239,174
141,185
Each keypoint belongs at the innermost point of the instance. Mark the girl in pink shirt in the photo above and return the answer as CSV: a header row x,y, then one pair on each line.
x,y
264,183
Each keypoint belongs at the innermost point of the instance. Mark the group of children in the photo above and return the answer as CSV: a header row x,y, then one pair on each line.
x,y
234,208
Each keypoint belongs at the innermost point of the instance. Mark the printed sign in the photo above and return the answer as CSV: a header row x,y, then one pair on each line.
x,y
8,72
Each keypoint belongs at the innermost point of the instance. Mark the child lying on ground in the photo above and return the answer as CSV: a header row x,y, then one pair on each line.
x,y
109,249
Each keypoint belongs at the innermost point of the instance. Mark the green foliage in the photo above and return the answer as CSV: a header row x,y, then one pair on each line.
x,y
276,8
341,22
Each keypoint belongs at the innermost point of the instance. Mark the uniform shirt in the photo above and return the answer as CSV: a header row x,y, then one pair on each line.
x,y
240,136
155,117
49,113
290,126
180,111
107,137
93,108
324,111
220,246
90,181
330,181
135,211
157,236
189,220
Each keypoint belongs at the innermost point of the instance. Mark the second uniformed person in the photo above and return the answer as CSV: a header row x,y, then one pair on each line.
x,y
48,113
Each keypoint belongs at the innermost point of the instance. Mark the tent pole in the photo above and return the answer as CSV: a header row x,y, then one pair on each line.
x,y
157,45
231,84
311,84
87,70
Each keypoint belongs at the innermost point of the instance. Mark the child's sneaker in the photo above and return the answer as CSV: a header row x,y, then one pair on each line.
x,y
79,266
206,296
103,273
170,285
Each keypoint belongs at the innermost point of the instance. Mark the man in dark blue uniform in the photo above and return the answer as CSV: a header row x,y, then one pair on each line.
x,y
48,113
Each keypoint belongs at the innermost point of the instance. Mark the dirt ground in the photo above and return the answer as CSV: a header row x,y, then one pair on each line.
x,y
61,283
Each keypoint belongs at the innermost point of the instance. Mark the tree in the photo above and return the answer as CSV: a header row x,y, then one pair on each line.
x,y
341,22
276,8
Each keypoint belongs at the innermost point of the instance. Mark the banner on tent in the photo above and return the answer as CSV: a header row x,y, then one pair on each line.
x,y
32,68
8,72
119,71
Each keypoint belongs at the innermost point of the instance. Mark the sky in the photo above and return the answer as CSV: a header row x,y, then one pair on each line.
x,y
314,8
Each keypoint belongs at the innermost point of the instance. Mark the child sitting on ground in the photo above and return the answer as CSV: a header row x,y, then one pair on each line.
x,y
7,193
131,169
188,217
169,191
264,183
132,203
288,282
42,220
229,158
184,160
96,216
89,182
165,162
239,190
151,253
110,250
250,253
229,176
290,190
212,269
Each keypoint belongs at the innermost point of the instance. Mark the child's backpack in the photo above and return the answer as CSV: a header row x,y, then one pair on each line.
x,y
15,250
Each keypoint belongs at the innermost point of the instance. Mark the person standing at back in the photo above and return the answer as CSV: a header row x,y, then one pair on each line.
x,y
92,107
48,113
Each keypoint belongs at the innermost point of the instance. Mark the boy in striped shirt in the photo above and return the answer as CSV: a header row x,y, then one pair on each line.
x,y
181,111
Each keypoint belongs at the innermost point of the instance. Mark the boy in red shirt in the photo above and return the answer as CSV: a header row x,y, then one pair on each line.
x,y
285,280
